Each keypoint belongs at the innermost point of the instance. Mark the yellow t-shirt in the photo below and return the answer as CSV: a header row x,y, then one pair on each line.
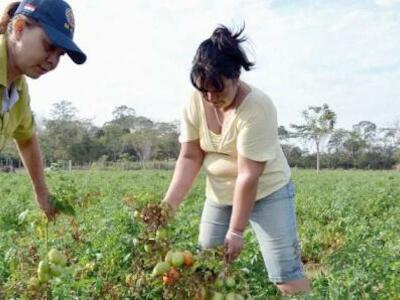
x,y
251,131
18,122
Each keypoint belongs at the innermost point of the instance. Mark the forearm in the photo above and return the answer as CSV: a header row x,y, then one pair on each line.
x,y
185,173
243,202
30,154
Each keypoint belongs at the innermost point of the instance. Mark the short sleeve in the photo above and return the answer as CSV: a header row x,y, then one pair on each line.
x,y
26,127
258,132
190,122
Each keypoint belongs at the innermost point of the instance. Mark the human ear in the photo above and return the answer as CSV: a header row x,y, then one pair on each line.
x,y
19,26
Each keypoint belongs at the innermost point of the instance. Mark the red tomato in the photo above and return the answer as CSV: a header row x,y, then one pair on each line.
x,y
167,280
187,258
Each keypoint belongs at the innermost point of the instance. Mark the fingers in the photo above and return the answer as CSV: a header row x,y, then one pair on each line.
x,y
51,212
231,256
171,209
51,216
232,249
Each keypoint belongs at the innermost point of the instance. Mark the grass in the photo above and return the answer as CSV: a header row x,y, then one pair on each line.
x,y
348,222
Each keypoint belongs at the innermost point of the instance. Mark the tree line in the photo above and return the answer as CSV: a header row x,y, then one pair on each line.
x,y
128,137
365,146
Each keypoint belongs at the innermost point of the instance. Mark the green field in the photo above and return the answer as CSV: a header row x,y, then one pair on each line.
x,y
349,225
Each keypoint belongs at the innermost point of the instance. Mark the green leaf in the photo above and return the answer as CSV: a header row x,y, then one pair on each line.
x,y
63,206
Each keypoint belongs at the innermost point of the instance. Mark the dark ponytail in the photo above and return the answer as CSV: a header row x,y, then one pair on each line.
x,y
8,14
219,56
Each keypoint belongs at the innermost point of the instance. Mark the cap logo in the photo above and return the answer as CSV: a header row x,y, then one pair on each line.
x,y
70,17
29,7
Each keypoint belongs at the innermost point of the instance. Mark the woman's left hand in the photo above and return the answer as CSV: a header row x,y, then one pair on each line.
x,y
233,246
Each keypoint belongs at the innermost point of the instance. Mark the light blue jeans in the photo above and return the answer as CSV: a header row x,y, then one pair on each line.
x,y
273,220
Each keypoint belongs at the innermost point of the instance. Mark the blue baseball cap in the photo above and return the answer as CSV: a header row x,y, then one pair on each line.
x,y
57,20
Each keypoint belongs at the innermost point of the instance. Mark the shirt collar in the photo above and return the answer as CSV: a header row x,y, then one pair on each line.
x,y
3,65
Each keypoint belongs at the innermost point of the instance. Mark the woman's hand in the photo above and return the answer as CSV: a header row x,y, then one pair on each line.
x,y
233,245
49,210
170,209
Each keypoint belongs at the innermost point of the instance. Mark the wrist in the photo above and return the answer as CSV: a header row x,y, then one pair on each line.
x,y
173,204
235,233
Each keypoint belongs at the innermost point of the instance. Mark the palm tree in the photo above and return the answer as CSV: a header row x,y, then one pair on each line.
x,y
319,123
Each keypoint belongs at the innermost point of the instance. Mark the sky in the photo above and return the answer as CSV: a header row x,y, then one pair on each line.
x,y
344,53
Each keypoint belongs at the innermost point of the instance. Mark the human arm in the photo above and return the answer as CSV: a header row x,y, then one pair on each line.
x,y
30,154
257,143
187,167
249,171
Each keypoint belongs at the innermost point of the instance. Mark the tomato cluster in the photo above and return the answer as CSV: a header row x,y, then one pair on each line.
x,y
169,268
157,262
53,267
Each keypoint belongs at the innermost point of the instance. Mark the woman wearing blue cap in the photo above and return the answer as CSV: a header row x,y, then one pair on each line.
x,y
34,34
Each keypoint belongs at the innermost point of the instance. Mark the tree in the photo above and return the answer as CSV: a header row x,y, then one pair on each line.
x,y
124,117
142,141
65,137
167,145
87,150
319,123
283,134
391,135
63,111
355,145
62,130
337,139
111,139
293,155
143,123
366,130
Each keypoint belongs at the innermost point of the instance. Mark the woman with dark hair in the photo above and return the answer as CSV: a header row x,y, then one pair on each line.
x,y
230,128
34,34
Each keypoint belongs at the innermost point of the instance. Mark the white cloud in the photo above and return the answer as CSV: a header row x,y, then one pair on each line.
x,y
387,3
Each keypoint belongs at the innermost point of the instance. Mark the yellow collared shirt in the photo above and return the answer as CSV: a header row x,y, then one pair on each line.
x,y
17,122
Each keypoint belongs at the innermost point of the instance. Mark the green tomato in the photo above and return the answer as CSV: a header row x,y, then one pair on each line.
x,y
147,248
168,257
230,282
219,283
217,296
56,257
43,271
177,259
161,268
161,234
230,296
56,270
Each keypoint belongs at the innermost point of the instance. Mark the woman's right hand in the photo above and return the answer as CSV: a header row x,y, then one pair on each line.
x,y
50,211
170,207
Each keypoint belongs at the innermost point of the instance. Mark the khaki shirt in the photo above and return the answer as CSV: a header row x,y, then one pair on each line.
x,y
17,122
250,131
